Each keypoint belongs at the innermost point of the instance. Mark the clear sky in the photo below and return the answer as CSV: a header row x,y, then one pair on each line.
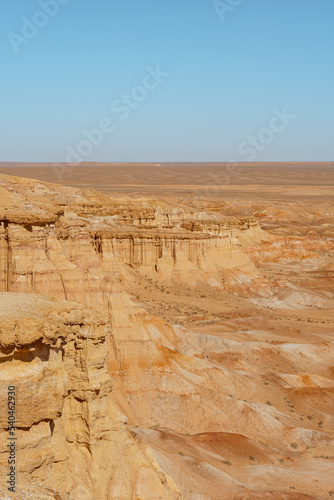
x,y
167,80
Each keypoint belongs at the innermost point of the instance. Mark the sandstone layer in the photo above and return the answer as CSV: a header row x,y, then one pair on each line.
x,y
69,434
218,338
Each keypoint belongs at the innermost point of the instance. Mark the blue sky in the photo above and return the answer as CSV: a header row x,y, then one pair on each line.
x,y
229,75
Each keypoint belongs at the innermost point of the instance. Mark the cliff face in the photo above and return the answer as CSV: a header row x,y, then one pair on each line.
x,y
206,370
69,434
74,245
81,246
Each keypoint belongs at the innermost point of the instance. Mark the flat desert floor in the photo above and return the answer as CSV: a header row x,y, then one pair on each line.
x,y
276,351
257,182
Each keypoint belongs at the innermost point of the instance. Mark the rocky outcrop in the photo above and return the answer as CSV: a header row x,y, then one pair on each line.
x,y
69,434
231,394
75,245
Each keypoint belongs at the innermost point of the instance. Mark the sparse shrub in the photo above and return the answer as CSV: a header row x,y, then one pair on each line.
x,y
294,445
227,462
269,403
252,457
281,460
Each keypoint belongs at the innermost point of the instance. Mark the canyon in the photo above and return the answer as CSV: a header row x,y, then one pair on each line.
x,y
168,341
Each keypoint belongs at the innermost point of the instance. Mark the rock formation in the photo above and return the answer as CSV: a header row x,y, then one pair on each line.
x,y
123,314
73,245
69,434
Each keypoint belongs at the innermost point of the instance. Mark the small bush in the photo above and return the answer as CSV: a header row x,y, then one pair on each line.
x,y
252,458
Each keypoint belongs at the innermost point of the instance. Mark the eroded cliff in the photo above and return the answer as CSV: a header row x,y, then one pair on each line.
x,y
74,245
206,357
69,434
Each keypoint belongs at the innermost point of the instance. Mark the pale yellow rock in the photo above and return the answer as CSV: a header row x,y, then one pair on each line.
x,y
69,434
71,244
198,400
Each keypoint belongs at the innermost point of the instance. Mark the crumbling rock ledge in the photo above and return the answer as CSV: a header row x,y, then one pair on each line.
x,y
74,244
69,434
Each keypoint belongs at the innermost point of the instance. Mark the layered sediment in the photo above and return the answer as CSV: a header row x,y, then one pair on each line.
x,y
75,251
187,326
69,435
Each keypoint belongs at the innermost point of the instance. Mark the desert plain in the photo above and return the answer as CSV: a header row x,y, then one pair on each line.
x,y
169,329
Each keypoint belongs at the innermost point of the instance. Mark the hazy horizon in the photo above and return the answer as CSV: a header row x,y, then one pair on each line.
x,y
167,163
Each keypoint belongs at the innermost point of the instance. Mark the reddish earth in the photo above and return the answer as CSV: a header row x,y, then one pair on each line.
x,y
227,377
